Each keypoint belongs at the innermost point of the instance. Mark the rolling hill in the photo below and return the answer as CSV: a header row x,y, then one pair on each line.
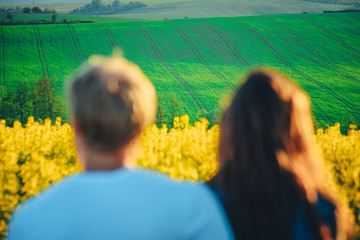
x,y
171,9
200,60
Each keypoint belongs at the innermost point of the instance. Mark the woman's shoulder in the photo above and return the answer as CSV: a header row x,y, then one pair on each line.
x,y
325,211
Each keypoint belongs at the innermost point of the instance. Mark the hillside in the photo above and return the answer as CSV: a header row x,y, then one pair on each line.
x,y
199,60
170,9
229,8
347,2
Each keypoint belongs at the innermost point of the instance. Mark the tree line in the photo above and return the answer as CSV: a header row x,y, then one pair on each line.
x,y
38,10
37,99
98,7
27,10
10,17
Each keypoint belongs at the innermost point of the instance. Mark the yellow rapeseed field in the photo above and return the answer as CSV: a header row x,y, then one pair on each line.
x,y
35,156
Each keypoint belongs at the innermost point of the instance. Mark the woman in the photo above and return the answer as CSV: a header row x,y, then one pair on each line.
x,y
271,178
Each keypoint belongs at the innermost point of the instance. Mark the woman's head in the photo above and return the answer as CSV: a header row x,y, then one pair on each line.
x,y
268,123
269,166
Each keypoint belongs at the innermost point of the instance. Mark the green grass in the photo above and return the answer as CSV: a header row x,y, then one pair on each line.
x,y
171,9
59,7
200,60
229,8
60,17
66,7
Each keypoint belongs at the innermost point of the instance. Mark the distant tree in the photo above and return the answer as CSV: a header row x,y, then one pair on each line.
x,y
36,10
345,123
75,11
175,107
202,113
49,10
211,116
8,109
27,10
10,17
97,4
116,4
53,18
24,102
17,104
161,114
46,102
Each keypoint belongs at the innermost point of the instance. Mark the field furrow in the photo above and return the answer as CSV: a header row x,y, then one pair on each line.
x,y
231,46
351,50
39,52
76,47
42,51
319,123
345,20
22,63
304,45
278,55
165,63
78,42
200,57
138,49
112,36
61,55
108,36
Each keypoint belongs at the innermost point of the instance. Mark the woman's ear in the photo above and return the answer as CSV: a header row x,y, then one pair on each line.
x,y
77,128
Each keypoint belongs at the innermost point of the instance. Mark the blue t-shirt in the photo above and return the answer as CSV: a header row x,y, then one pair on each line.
x,y
121,204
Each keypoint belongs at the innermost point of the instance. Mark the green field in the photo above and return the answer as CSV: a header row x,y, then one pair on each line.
x,y
69,17
65,7
199,60
173,9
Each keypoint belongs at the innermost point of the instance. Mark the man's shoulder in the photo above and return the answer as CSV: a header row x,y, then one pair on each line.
x,y
46,195
187,207
38,208
136,181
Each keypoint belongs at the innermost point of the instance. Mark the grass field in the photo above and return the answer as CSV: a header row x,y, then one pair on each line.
x,y
65,7
60,17
228,8
171,9
199,60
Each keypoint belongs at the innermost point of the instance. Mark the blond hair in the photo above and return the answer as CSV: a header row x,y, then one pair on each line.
x,y
112,102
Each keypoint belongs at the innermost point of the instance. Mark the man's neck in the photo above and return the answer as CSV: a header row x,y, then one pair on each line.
x,y
99,161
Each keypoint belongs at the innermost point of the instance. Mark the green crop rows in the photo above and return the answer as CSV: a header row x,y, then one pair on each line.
x,y
200,60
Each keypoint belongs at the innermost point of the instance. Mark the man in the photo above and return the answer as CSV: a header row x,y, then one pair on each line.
x,y
112,102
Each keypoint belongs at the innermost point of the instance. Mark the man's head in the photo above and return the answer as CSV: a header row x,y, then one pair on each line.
x,y
112,102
